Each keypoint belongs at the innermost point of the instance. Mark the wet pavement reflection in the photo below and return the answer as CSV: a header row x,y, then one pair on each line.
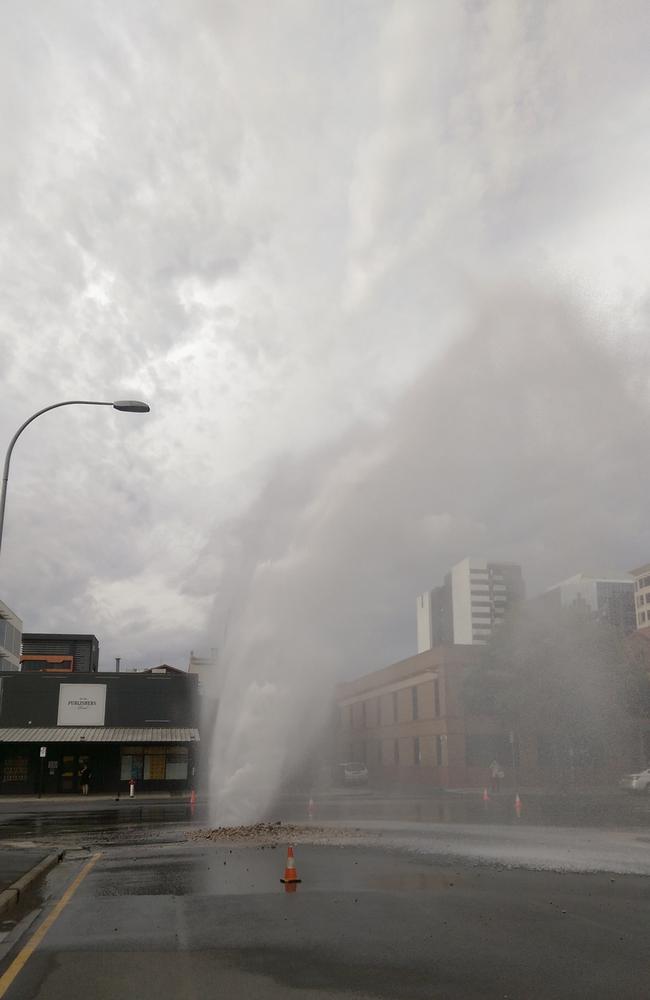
x,y
98,824
168,822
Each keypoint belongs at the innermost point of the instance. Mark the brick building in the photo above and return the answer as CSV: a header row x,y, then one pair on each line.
x,y
408,723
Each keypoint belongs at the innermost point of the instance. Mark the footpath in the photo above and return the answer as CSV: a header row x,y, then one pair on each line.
x,y
15,862
104,798
19,868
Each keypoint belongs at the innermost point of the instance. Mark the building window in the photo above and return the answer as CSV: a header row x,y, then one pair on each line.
x,y
394,706
642,616
439,758
414,702
417,759
396,751
15,769
154,763
436,698
176,764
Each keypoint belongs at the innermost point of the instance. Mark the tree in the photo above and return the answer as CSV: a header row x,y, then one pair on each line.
x,y
560,674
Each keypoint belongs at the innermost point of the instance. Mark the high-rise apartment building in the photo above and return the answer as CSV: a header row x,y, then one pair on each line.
x,y
11,629
608,596
641,578
473,600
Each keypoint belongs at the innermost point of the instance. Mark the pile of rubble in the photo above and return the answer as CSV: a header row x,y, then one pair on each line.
x,y
269,833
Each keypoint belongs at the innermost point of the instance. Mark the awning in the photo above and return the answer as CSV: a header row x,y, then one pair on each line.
x,y
98,734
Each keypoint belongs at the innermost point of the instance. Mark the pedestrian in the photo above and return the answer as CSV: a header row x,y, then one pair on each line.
x,y
496,774
84,778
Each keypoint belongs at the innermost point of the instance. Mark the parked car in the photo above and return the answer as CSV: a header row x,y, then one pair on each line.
x,y
351,773
639,782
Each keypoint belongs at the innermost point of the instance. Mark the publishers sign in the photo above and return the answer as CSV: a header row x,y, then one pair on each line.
x,y
81,705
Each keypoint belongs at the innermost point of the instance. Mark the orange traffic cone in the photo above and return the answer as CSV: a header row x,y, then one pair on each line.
x,y
517,805
290,873
486,796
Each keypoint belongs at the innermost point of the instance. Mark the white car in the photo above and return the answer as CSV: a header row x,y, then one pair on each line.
x,y
639,782
351,773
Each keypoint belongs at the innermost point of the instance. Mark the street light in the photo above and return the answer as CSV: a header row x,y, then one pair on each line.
x,y
126,405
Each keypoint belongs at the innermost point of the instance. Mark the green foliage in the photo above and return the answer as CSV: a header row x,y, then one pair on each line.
x,y
637,681
559,671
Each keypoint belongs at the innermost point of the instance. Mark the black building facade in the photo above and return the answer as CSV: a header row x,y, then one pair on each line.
x,y
84,649
141,726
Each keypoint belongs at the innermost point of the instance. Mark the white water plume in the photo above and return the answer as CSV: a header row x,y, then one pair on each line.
x,y
499,450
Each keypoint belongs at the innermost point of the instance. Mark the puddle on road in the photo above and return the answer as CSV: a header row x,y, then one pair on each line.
x,y
413,882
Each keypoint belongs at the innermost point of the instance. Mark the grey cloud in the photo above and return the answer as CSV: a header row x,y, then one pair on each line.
x,y
522,443
269,219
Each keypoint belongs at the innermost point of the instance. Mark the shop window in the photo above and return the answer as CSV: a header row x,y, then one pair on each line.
x,y
154,763
439,752
177,761
15,769
132,766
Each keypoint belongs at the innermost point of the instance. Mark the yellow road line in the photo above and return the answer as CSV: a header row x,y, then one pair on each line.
x,y
23,955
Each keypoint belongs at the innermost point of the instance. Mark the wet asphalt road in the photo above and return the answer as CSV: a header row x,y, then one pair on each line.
x,y
425,910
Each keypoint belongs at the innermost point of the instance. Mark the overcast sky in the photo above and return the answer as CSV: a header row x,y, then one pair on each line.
x,y
380,269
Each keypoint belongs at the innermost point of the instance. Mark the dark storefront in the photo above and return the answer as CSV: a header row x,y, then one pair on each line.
x,y
121,726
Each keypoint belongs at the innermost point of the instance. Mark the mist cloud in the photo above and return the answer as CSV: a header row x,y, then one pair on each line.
x,y
522,444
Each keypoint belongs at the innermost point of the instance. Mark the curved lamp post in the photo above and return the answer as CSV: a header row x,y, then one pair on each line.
x,y
126,405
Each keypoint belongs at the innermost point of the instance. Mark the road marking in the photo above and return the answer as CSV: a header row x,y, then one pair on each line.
x,y
24,954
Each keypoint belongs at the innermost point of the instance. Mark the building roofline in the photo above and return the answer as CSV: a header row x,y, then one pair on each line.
x,y
430,659
642,569
59,635
624,577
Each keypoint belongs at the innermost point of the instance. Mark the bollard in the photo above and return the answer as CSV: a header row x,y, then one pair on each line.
x,y
132,788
